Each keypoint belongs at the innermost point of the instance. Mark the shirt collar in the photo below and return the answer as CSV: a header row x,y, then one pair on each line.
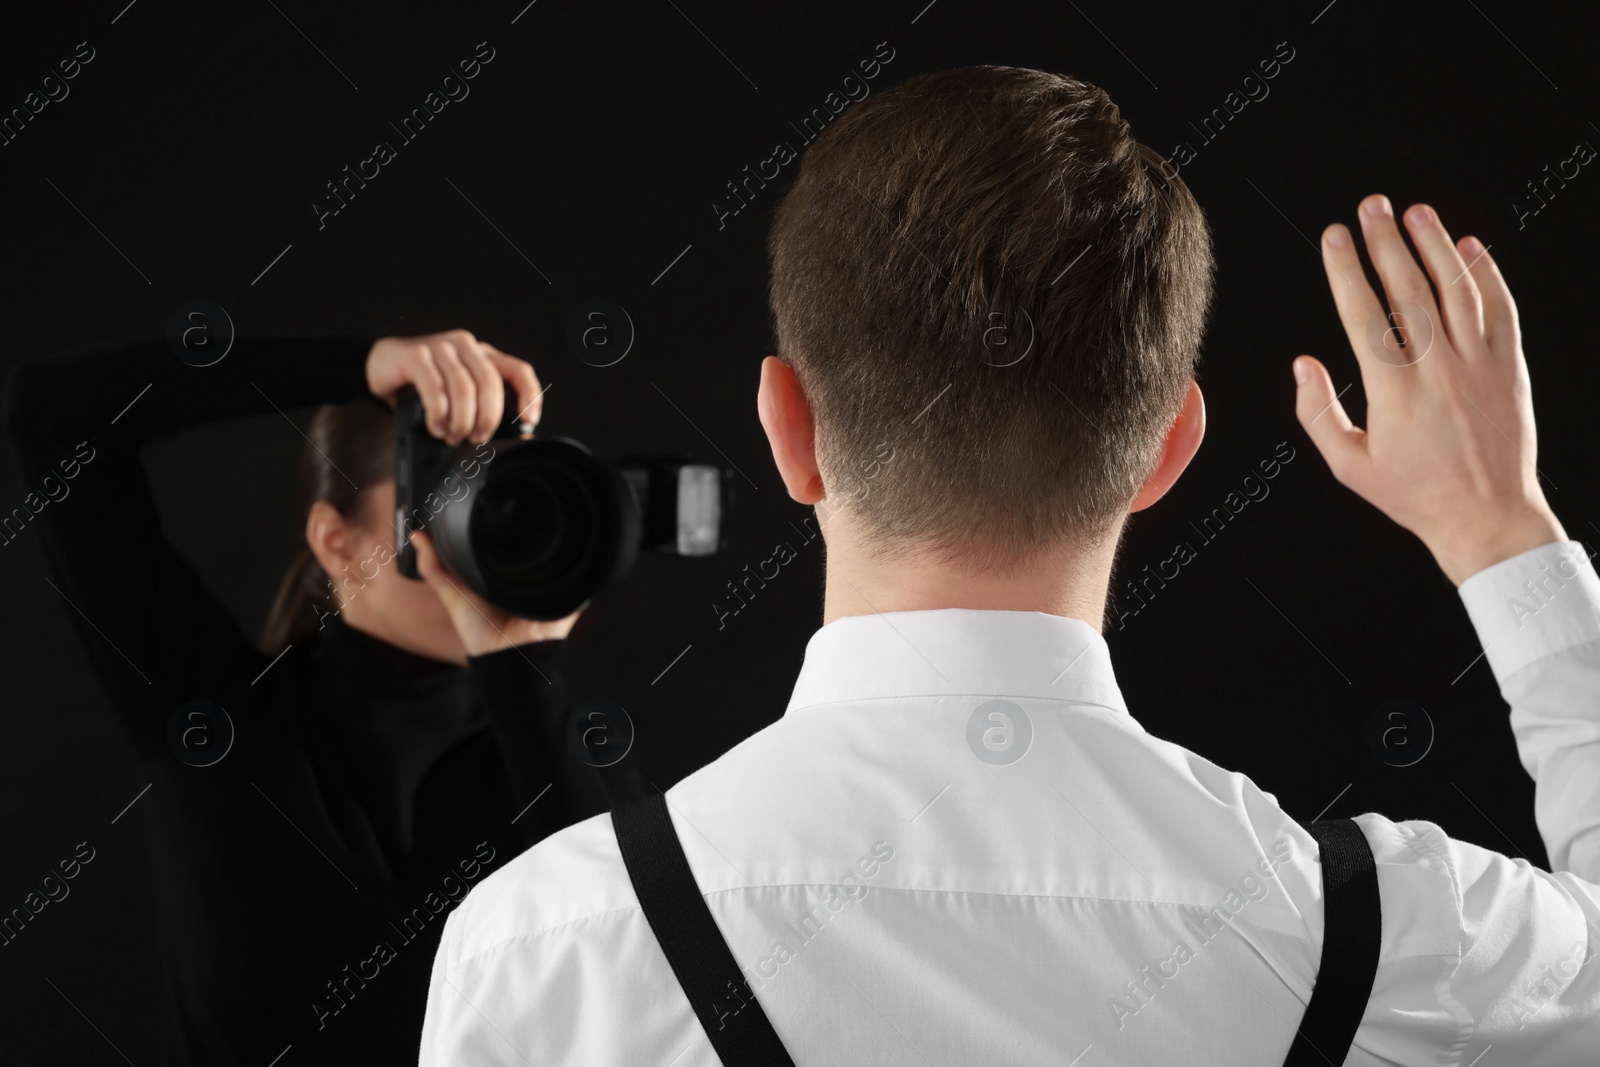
x,y
950,651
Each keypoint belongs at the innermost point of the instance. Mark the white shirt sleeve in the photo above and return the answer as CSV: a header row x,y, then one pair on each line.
x,y
1522,980
438,1006
455,1031
1538,615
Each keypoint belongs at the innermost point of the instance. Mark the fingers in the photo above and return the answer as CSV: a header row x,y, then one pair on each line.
x,y
1403,281
1458,292
1357,304
460,379
1342,445
463,403
431,388
491,394
519,373
431,567
1499,310
471,615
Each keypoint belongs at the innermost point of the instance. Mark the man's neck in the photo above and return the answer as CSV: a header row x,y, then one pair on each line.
x,y
1071,581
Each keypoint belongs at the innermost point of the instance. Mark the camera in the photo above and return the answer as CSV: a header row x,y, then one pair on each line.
x,y
539,525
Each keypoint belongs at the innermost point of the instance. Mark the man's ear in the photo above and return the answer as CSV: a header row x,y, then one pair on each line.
x,y
329,537
1183,441
786,416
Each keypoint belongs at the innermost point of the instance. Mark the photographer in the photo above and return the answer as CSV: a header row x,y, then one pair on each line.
x,y
318,803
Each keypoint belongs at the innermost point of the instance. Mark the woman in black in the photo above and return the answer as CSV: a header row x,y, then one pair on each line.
x,y
393,741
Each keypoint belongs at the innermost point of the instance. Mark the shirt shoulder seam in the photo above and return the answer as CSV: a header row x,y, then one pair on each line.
x,y
529,935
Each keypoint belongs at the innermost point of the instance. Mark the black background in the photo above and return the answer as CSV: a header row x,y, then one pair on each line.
x,y
595,143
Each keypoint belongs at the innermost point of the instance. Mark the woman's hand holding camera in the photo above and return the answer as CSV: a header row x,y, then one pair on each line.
x,y
483,627
459,379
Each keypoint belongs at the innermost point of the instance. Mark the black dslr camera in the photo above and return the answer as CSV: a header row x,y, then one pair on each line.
x,y
539,525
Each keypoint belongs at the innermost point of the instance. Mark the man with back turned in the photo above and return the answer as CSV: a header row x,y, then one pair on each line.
x,y
958,845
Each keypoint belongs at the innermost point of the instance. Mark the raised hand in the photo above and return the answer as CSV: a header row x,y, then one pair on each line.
x,y
1449,447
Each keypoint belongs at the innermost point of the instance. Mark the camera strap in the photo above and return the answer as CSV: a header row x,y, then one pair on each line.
x,y
729,1012
743,1036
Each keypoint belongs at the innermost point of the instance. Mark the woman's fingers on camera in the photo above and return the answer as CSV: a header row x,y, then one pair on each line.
x,y
477,395
491,390
428,563
460,379
463,413
431,387
519,373
433,570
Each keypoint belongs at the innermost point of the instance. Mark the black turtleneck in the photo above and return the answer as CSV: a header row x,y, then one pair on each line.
x,y
410,738
303,879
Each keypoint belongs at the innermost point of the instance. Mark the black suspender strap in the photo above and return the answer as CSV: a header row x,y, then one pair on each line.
x,y
743,1036
729,1012
1352,935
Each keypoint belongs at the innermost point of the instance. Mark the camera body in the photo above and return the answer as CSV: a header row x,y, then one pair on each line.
x,y
539,525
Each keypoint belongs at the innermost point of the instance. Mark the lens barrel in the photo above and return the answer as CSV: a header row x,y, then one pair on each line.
x,y
540,529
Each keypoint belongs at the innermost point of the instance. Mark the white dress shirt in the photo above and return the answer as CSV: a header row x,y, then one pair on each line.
x,y
908,879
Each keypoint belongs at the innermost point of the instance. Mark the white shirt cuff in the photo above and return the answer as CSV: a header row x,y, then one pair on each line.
x,y
1534,604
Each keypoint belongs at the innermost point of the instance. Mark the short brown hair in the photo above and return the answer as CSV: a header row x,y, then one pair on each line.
x,y
939,210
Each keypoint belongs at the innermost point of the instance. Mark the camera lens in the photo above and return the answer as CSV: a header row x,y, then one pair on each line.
x,y
544,526
536,523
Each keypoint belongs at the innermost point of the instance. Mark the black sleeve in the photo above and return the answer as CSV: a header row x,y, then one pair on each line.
x,y
526,697
76,424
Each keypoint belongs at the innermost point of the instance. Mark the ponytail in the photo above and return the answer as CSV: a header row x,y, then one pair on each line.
x,y
297,609
349,448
